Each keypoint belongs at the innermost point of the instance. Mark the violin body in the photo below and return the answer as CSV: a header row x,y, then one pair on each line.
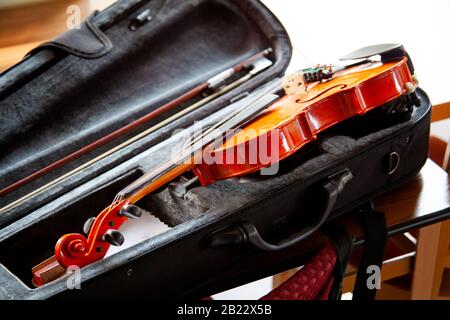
x,y
282,129
297,119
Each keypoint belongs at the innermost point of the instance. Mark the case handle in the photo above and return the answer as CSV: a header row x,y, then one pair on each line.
x,y
247,232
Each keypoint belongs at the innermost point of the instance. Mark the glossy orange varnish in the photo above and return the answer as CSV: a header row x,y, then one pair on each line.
x,y
295,120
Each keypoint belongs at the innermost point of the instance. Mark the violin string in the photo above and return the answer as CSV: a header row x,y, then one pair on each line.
x,y
176,157
308,60
182,156
163,168
121,195
186,154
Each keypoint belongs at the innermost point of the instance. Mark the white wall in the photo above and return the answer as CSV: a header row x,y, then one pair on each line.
x,y
324,30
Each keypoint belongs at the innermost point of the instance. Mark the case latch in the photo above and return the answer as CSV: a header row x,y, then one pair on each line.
x,y
142,18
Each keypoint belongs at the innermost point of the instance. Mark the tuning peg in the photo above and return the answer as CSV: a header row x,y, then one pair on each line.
x,y
88,224
131,211
113,237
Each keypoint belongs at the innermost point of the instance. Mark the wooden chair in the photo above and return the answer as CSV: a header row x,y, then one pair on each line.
x,y
433,253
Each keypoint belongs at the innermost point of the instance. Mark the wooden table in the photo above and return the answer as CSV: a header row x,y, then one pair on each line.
x,y
422,201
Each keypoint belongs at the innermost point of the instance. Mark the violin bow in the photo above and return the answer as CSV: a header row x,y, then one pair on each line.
x,y
257,63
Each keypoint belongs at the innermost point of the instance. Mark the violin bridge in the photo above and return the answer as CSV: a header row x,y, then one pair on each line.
x,y
295,84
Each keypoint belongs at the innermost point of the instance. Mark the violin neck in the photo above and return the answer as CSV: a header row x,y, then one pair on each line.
x,y
185,159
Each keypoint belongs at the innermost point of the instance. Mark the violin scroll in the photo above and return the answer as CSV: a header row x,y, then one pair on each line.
x,y
70,248
75,249
102,232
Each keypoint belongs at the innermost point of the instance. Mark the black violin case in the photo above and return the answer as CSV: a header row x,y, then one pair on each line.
x,y
88,82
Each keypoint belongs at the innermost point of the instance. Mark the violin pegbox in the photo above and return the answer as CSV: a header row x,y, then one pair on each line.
x,y
80,250
101,232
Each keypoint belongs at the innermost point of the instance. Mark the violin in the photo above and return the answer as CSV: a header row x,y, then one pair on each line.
x,y
315,100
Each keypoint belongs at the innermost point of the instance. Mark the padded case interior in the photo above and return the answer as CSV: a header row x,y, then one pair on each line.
x,y
74,100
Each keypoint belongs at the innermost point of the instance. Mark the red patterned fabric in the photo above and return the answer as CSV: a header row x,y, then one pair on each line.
x,y
312,282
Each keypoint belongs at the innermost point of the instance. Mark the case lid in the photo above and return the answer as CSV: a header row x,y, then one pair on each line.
x,y
116,68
